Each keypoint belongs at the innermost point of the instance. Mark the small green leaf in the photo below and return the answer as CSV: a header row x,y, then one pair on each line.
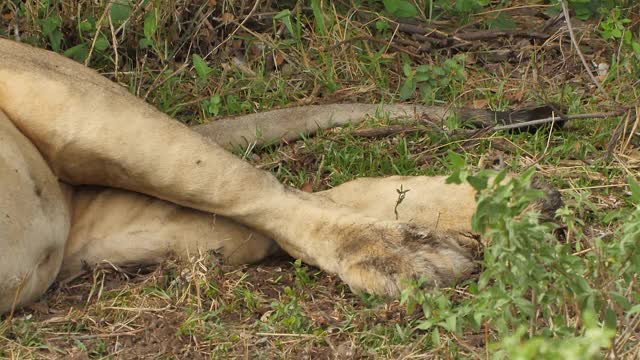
x,y
503,21
422,77
390,5
51,28
201,67
401,8
450,323
424,325
102,43
435,337
635,190
145,43
610,318
621,300
478,182
318,16
78,52
285,16
86,26
51,24
282,14
120,11
408,89
150,24
423,69
457,162
382,25
55,39
406,69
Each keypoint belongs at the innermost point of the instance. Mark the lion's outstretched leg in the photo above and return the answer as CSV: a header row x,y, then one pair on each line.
x,y
126,228
91,131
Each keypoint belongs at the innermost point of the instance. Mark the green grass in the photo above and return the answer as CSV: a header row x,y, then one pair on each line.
x,y
540,296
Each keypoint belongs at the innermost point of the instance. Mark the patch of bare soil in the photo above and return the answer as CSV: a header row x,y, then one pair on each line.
x,y
176,312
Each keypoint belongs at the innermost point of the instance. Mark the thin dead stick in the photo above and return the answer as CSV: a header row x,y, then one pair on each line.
x,y
556,119
567,19
95,37
115,47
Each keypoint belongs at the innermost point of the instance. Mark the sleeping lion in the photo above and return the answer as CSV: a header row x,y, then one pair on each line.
x,y
90,173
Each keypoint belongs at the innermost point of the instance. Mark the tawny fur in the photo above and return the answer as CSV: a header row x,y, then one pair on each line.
x,y
91,173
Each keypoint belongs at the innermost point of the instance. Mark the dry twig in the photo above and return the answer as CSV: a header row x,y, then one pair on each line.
x,y
567,19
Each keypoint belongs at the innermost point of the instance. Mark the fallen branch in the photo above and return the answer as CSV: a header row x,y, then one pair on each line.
x,y
558,119
494,34
441,38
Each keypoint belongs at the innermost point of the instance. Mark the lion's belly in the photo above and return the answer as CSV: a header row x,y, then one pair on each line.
x,y
34,220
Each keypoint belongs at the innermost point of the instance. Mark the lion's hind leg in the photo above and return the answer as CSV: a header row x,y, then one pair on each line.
x,y
124,228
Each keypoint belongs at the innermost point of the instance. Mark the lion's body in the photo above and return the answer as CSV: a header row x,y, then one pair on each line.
x,y
90,173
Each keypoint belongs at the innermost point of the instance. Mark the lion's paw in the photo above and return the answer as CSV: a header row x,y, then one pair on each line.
x,y
380,259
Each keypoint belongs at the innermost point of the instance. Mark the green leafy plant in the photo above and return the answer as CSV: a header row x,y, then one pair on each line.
x,y
433,81
150,29
616,27
585,9
531,283
288,315
51,29
586,346
303,277
213,105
